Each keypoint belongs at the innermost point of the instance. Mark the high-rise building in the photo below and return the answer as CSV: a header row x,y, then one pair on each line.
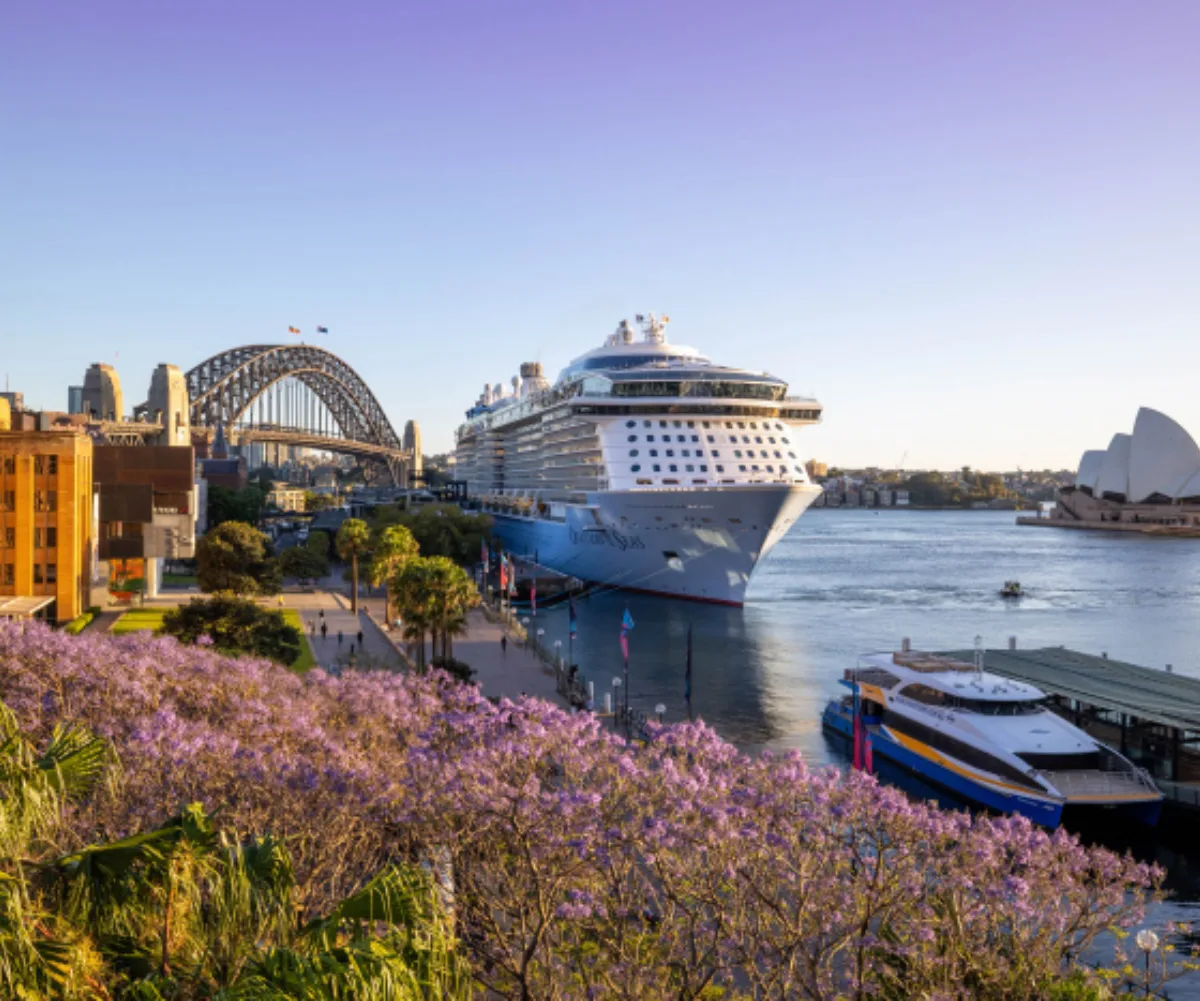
x,y
102,396
45,520
412,443
74,399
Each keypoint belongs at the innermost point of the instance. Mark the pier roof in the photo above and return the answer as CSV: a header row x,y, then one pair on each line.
x,y
1150,695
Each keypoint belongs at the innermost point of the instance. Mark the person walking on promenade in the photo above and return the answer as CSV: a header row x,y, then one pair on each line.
x,y
312,628
339,637
360,639
352,649
504,645
324,630
321,613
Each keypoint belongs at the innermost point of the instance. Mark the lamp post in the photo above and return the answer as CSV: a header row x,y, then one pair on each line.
x,y
659,711
525,623
616,701
1147,941
557,653
540,634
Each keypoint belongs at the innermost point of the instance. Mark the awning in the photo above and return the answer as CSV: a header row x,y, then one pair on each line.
x,y
23,608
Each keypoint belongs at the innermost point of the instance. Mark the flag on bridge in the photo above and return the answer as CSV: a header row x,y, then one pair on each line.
x,y
293,330
322,330
533,595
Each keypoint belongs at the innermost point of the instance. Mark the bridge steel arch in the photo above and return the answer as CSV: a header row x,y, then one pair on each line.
x,y
223,388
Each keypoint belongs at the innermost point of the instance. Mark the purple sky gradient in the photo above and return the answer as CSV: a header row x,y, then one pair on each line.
x,y
971,229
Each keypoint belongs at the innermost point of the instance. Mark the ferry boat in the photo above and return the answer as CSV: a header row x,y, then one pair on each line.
x,y
991,741
644,466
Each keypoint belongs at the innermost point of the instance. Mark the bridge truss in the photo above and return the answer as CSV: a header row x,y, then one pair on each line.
x,y
295,395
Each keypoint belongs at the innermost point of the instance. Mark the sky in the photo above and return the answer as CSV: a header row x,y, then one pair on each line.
x,y
972,230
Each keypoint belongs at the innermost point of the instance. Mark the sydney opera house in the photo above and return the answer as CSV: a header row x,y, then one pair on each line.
x,y
1148,481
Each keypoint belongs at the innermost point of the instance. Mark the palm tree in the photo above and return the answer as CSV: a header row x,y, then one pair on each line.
x,y
353,541
392,549
453,593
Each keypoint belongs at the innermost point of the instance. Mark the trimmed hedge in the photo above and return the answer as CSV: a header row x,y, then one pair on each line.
x,y
79,623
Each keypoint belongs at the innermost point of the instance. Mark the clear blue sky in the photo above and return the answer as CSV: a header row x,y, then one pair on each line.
x,y
971,229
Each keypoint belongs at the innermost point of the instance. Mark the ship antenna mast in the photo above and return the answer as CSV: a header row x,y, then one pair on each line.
x,y
979,657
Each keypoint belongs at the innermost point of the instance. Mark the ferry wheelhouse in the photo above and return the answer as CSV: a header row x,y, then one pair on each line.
x,y
645,465
989,740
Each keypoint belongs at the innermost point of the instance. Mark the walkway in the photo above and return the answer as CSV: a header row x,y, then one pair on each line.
x,y
499,673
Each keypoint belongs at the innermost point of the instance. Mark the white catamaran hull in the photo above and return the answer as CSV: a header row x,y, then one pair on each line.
x,y
701,544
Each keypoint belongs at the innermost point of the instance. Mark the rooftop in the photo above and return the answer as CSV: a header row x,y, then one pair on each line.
x,y
1150,695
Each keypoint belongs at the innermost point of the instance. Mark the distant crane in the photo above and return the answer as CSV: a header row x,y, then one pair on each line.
x,y
900,468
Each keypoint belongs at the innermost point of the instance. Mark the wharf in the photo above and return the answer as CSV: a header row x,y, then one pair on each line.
x,y
1152,716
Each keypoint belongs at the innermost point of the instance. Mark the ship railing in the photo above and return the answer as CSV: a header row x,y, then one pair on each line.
x,y
1082,784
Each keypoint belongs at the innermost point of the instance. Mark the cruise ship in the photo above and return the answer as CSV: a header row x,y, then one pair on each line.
x,y
990,741
644,466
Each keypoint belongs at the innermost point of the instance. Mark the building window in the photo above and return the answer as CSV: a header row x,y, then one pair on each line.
x,y
657,468
9,577
670,452
631,424
753,426
689,468
678,424
685,452
52,465
653,452
39,465
649,437
662,424
746,439
10,465
38,577
636,467
778,454
704,469
45,500
8,500
741,425
646,424
51,573
757,440
695,437
741,469
706,424
770,469
674,468
771,440
720,469
9,540
737,453
716,454
754,469
711,439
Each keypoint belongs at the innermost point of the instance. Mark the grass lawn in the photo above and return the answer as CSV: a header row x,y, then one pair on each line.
x,y
178,580
150,619
138,620
306,661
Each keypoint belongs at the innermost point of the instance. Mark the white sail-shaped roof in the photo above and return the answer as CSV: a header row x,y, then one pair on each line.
x,y
1114,471
1164,459
1089,468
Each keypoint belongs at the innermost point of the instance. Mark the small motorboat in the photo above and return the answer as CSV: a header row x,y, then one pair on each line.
x,y
1011,589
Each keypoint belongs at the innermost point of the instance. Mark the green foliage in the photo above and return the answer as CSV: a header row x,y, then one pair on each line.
x,y
954,490
433,594
321,544
392,548
1078,987
236,557
185,911
314,502
235,626
354,543
303,562
441,530
79,623
234,505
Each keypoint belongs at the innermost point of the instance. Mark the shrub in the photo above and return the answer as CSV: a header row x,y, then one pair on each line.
x,y
79,623
235,626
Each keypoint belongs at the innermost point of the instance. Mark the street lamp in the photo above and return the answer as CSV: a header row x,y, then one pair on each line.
x,y
659,711
1147,941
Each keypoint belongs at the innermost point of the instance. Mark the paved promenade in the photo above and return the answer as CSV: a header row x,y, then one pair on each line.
x,y
500,673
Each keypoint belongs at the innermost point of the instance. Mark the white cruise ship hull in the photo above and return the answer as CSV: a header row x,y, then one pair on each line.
x,y
701,544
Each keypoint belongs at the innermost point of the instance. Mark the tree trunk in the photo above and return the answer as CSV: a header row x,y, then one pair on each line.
x,y
354,576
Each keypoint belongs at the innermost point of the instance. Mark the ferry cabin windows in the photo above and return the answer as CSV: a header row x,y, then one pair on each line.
x,y
925,695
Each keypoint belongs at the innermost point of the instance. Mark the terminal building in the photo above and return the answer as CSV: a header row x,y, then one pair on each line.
x,y
1147,481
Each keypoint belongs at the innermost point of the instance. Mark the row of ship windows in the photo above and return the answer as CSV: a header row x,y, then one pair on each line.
x,y
690,468
766,425
686,453
712,439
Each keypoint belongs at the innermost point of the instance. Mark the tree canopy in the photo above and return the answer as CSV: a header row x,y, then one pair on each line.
x,y
234,505
441,530
235,626
303,562
354,543
236,557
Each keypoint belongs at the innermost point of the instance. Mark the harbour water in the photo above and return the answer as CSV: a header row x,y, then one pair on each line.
x,y
847,582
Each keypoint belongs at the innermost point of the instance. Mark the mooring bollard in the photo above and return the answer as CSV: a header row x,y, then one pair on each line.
x,y
1012,642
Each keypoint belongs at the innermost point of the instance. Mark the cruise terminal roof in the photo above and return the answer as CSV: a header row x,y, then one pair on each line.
x,y
1151,695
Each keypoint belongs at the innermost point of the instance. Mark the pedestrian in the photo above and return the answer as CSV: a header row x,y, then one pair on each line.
x,y
324,630
339,637
504,644
312,627
360,639
352,648
321,613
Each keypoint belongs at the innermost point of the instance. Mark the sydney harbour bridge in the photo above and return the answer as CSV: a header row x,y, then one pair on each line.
x,y
297,395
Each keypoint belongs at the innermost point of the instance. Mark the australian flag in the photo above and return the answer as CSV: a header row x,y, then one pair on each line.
x,y
572,621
